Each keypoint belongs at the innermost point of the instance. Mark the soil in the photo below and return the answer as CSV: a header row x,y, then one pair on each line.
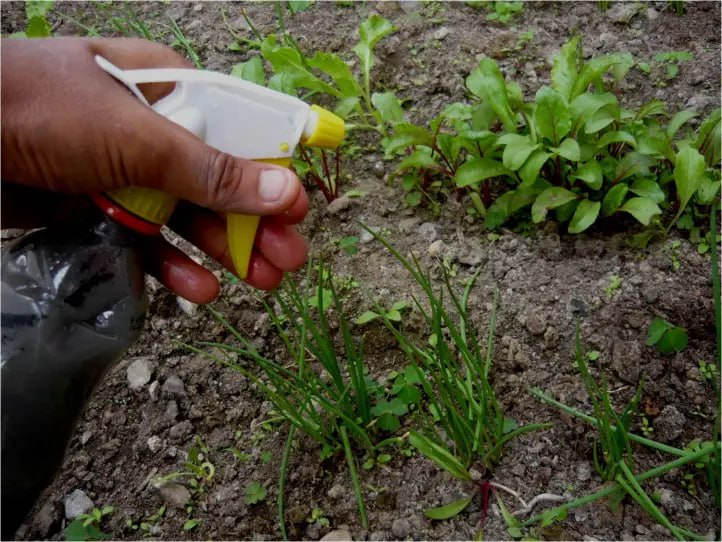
x,y
547,281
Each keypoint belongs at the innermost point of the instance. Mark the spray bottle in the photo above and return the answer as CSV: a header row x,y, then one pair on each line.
x,y
73,299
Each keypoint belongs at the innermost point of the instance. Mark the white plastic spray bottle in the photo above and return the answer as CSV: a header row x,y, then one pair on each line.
x,y
73,298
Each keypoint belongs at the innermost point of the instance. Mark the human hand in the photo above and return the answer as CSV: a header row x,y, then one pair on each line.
x,y
69,128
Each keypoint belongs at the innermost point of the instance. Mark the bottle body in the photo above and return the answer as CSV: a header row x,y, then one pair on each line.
x,y
72,301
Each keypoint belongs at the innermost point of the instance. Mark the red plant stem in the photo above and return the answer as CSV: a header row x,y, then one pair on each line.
x,y
560,178
338,170
486,192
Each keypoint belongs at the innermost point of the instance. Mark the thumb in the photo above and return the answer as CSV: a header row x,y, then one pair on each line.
x,y
184,166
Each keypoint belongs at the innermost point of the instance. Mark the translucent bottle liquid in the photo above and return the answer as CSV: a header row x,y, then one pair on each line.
x,y
72,302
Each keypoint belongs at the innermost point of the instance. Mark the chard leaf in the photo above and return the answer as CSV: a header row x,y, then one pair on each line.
x,y
614,198
643,209
388,107
584,106
478,169
487,82
286,61
516,152
439,455
448,510
688,174
678,121
529,172
584,216
597,67
633,163
617,137
707,190
551,198
569,149
251,70
648,189
564,72
601,119
339,72
551,116
419,159
709,139
591,174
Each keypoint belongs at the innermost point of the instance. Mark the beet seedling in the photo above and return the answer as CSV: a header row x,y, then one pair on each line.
x,y
666,336
37,24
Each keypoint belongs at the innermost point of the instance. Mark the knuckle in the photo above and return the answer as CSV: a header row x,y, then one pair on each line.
x,y
224,178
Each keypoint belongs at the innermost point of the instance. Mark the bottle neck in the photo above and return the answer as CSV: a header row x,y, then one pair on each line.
x,y
124,217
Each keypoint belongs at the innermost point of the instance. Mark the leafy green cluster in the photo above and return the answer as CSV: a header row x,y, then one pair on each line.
x,y
572,153
37,23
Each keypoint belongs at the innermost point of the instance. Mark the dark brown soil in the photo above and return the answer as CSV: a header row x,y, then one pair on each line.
x,y
547,281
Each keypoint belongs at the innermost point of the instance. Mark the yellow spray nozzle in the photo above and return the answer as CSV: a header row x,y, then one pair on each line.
x,y
328,132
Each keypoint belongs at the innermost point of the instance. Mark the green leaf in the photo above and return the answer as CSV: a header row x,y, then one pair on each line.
x,y
38,27
584,106
652,108
517,151
478,169
339,72
510,424
591,174
584,216
674,340
707,191
688,174
366,317
614,198
371,31
439,455
597,67
287,61
419,159
448,510
552,118
673,56
569,149
709,139
601,119
648,189
656,330
190,525
388,107
551,198
643,209
254,493
617,137
294,6
251,70
388,422
564,71
529,172
37,8
633,163
487,82
678,121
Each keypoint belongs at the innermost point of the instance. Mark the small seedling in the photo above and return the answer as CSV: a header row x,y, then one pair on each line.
x,y
146,526
708,371
318,517
190,524
87,526
349,244
392,315
380,459
671,60
666,336
389,412
646,427
254,493
37,23
615,283
592,355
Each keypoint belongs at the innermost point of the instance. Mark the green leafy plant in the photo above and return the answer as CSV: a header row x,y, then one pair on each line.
x,y
318,517
87,526
37,24
613,453
254,493
671,61
199,470
393,314
504,11
146,526
454,376
572,154
615,283
666,336
349,244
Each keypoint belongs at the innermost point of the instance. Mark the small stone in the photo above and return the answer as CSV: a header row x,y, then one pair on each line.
x,y
401,528
441,33
339,535
626,356
407,225
154,390
652,14
410,6
171,411
365,236
173,387
435,248
194,25
584,472
198,7
155,443
622,12
139,373
651,295
536,323
669,424
86,436
77,503
339,204
700,102
428,231
186,306
337,491
180,430
174,494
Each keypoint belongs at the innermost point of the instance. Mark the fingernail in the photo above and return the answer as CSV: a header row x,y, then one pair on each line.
x,y
272,184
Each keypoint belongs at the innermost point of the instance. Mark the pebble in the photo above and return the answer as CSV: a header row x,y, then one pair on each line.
x,y
700,102
625,360
407,225
365,236
584,472
174,494
186,306
337,491
435,248
401,528
198,7
441,33
652,14
155,443
139,373
339,204
180,430
536,323
669,424
428,231
195,24
77,503
173,387
154,390
339,535
410,6
622,12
